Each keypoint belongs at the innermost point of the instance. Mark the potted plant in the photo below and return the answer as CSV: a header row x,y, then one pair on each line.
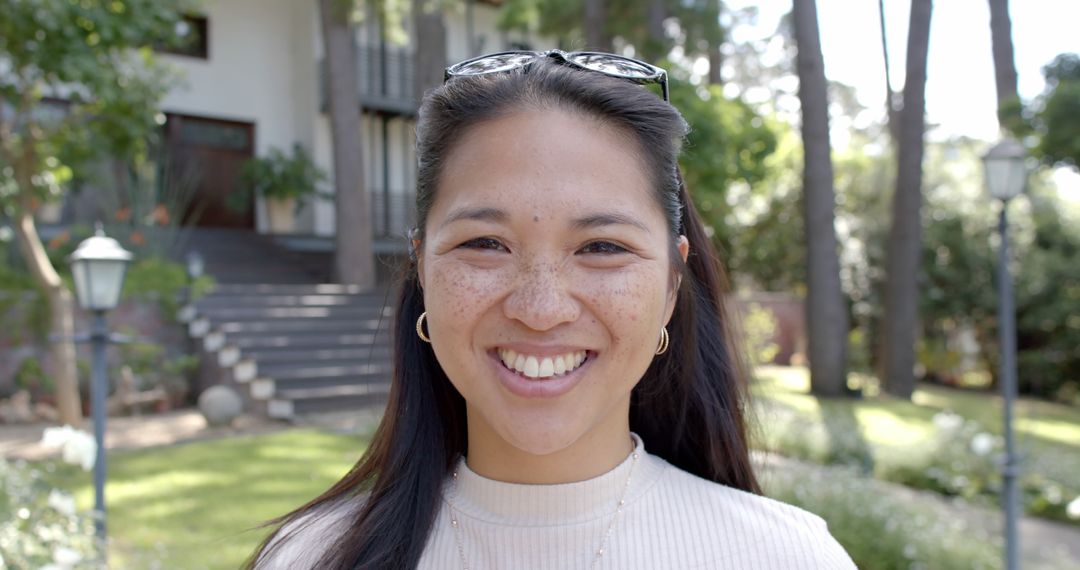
x,y
285,182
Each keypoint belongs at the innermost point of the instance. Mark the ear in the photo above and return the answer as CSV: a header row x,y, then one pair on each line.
x,y
684,251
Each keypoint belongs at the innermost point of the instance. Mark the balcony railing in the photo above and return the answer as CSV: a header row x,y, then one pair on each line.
x,y
385,76
392,214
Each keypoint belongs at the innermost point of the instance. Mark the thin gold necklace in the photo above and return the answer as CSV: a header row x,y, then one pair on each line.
x,y
603,541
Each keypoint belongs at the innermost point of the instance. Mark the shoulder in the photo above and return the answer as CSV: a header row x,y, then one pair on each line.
x,y
303,540
751,530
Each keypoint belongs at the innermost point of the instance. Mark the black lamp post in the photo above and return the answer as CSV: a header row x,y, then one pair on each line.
x,y
99,266
1006,176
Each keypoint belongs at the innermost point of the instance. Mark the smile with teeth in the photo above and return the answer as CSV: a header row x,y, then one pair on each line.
x,y
542,366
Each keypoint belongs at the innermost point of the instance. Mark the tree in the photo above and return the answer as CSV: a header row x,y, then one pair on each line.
x,y
1056,119
596,33
891,108
904,248
1004,64
354,263
94,56
827,320
430,46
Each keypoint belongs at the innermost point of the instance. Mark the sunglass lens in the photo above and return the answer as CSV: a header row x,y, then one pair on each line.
x,y
492,64
614,65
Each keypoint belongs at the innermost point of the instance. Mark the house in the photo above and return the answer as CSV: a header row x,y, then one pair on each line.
x,y
254,82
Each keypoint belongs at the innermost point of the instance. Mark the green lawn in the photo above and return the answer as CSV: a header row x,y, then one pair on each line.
x,y
895,432
190,506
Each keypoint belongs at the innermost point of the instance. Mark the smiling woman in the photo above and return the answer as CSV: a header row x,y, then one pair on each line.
x,y
561,315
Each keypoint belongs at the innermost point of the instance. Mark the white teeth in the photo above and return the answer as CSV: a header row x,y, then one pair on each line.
x,y
541,366
532,367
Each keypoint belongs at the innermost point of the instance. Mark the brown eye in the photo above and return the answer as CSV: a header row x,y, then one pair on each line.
x,y
484,243
603,247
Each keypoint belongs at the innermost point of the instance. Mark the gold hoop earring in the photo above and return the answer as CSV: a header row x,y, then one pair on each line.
x,y
664,340
420,328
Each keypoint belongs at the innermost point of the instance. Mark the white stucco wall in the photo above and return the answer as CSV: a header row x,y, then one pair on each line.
x,y
263,67
259,70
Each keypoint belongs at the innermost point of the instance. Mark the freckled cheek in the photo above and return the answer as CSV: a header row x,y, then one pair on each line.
x,y
630,305
457,294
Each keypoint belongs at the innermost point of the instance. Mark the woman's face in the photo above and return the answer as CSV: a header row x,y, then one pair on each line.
x,y
546,277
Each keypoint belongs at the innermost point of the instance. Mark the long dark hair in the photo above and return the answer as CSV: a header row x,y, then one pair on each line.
x,y
690,406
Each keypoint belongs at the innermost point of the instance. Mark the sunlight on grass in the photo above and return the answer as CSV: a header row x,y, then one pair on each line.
x,y
190,506
800,424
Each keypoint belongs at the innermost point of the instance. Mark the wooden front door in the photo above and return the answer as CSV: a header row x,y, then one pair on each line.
x,y
206,155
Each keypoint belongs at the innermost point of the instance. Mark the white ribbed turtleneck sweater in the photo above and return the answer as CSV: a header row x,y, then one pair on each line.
x,y
671,520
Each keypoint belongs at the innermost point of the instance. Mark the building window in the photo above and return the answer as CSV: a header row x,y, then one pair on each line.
x,y
194,38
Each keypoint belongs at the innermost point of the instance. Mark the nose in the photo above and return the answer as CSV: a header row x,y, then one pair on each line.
x,y
541,298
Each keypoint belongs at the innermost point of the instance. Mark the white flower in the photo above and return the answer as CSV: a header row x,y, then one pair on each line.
x,y
66,557
77,447
948,421
1073,510
982,443
62,502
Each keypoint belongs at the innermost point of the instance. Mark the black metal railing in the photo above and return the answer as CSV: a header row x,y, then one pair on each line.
x,y
393,214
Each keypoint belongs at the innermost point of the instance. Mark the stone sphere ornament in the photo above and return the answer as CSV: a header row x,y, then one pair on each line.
x,y
220,405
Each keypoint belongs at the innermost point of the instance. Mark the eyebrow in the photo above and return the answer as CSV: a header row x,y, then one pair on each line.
x,y
607,219
481,214
587,222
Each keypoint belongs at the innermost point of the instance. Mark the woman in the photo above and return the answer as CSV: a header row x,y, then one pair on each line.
x,y
567,391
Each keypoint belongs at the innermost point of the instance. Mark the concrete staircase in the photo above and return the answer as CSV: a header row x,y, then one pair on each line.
x,y
290,342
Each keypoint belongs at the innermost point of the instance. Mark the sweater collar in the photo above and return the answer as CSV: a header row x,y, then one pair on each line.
x,y
545,505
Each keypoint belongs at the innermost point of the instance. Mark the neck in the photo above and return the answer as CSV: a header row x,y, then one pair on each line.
x,y
593,454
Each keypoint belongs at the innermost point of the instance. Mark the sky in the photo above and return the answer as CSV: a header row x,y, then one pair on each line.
x,y
960,89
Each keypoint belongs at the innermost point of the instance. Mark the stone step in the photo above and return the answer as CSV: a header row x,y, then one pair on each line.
x,y
303,326
381,350
289,403
263,300
292,289
305,341
241,314
329,376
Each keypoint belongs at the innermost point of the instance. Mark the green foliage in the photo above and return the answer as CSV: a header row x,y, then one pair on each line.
x,y
32,377
39,526
951,445
1052,120
1057,121
884,527
96,55
279,176
758,328
725,163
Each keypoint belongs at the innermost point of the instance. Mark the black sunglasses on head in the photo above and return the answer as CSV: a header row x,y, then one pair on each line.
x,y
606,63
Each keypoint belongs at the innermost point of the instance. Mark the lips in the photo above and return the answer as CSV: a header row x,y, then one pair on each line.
x,y
539,366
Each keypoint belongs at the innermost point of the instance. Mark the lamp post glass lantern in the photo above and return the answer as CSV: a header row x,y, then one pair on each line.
x,y
1006,172
98,266
1006,176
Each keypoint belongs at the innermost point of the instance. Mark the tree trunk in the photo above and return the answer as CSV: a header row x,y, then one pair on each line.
x,y
431,57
596,35
1004,64
61,315
905,242
716,41
827,319
353,260
656,45
892,118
